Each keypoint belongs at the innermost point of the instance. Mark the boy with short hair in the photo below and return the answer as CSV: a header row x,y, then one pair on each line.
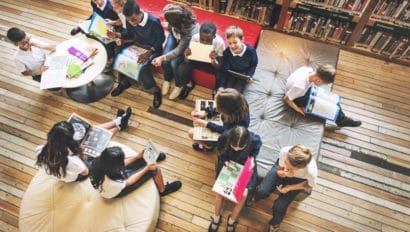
x,y
207,35
298,88
238,57
30,56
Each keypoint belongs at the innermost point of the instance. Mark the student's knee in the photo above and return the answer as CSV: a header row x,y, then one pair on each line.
x,y
191,133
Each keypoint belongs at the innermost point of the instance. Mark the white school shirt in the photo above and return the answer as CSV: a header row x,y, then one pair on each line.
x,y
74,167
298,83
309,172
218,44
111,188
30,60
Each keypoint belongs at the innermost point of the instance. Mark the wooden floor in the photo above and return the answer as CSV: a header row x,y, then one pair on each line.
x,y
363,184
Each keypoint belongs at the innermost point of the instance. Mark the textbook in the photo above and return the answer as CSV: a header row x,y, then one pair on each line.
x,y
200,52
97,27
93,140
233,180
239,75
126,62
55,75
203,133
151,153
323,104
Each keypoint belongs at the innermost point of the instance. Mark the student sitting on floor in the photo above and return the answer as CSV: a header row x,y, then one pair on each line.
x,y
236,145
116,176
234,110
62,156
207,35
294,171
30,56
298,88
144,30
238,57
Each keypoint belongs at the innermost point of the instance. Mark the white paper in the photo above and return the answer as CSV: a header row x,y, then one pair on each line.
x,y
85,25
151,153
55,75
200,52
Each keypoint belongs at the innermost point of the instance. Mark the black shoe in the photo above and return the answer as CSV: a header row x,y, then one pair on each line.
x,y
120,112
348,122
162,156
120,88
156,103
214,224
186,90
124,123
198,147
128,113
75,31
171,187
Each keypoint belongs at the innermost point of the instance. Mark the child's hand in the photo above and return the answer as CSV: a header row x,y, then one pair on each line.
x,y
143,57
249,81
281,173
282,189
252,164
158,61
111,34
151,166
212,55
200,122
301,111
187,52
227,163
198,114
110,22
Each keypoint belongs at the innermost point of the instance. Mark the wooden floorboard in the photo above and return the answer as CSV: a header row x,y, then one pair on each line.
x,y
364,178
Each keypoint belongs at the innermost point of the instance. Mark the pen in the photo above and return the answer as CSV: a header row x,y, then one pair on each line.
x,y
93,53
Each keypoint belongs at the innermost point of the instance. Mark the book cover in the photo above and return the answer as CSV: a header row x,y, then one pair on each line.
x,y
203,133
93,140
99,28
151,153
233,180
323,104
200,52
126,61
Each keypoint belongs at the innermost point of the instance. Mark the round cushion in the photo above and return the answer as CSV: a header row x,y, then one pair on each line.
x,y
52,205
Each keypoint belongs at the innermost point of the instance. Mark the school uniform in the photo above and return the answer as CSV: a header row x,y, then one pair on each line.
x,y
244,63
106,10
228,125
271,180
32,59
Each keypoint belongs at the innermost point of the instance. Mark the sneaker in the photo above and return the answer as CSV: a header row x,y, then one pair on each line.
x,y
165,87
348,122
175,93
186,90
128,113
120,112
199,147
124,123
162,156
171,187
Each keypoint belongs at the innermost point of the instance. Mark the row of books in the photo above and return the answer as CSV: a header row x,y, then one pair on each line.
x,y
385,42
322,27
205,4
393,10
255,11
348,5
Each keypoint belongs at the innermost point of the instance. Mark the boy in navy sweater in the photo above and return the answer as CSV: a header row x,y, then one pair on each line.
x,y
238,57
143,30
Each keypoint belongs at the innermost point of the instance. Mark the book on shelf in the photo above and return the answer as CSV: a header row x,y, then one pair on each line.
x,y
323,103
97,27
151,153
93,139
126,61
55,75
203,133
233,180
200,52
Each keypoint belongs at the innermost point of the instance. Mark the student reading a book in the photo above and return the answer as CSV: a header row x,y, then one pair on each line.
x,y
234,110
298,89
207,35
294,171
143,30
63,157
118,6
30,56
237,144
238,57
182,25
114,176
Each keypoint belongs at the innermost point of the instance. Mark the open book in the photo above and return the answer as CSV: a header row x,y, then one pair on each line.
x,y
92,139
126,61
323,104
233,180
151,153
239,75
55,75
200,52
97,27
203,133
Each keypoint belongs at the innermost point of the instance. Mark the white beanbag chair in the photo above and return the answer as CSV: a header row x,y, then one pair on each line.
x,y
52,205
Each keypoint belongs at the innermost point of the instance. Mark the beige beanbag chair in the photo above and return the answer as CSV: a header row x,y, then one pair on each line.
x,y
52,205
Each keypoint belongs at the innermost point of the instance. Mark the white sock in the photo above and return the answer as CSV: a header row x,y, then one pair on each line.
x,y
216,220
117,122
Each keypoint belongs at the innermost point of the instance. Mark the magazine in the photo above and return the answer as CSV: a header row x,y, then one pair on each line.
x,y
126,61
203,133
98,28
323,104
93,140
55,75
151,153
239,75
200,52
233,180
